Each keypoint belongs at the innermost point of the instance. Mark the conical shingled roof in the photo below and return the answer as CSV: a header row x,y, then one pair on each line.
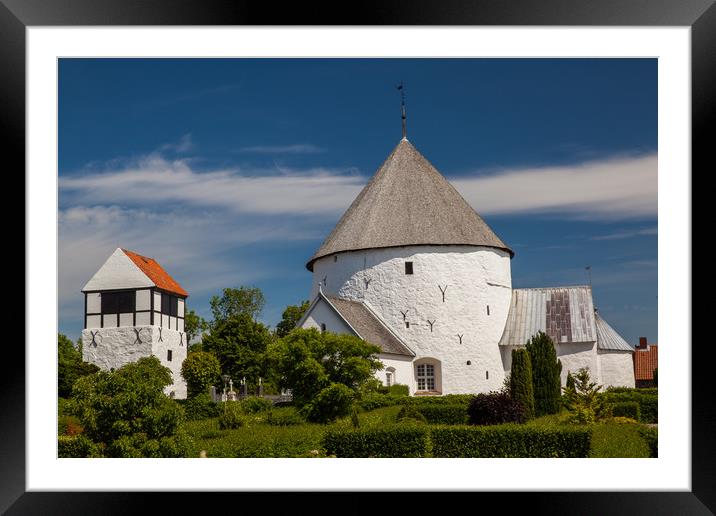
x,y
407,202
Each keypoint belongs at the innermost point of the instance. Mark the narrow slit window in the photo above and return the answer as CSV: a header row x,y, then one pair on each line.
x,y
407,324
488,309
487,375
323,327
169,355
408,267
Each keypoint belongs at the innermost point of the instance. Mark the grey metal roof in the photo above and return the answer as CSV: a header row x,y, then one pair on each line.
x,y
407,202
369,327
608,338
566,314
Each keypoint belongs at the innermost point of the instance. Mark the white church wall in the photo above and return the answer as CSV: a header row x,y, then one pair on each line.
x,y
94,321
575,355
94,303
324,314
143,318
144,299
617,368
476,277
114,347
403,370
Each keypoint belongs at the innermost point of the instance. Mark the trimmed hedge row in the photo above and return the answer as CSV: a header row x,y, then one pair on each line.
x,y
627,409
630,390
447,399
396,441
510,440
651,436
443,414
648,403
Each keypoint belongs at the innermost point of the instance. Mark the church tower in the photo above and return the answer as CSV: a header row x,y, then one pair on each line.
x,y
134,309
412,264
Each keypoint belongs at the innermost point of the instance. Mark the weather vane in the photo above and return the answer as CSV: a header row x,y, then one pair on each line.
x,y
402,109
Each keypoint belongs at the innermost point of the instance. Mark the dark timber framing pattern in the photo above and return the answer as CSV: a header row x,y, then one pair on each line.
x,y
151,311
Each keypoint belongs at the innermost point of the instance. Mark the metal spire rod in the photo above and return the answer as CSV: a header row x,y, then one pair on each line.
x,y
402,109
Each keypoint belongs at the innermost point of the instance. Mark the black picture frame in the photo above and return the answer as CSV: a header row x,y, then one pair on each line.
x,y
700,15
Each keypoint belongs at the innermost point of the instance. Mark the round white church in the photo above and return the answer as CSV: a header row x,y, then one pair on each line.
x,y
412,268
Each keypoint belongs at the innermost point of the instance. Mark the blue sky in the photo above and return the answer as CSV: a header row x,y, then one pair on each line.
x,y
232,171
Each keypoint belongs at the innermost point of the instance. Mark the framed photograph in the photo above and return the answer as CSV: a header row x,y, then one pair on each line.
x,y
233,146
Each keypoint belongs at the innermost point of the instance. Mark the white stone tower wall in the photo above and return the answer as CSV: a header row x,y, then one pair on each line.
x,y
114,347
475,277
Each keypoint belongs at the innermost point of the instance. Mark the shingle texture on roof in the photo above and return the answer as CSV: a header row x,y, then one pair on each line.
x,y
368,326
566,314
156,273
608,338
645,361
407,202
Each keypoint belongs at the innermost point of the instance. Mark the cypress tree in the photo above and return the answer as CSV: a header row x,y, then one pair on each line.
x,y
570,381
545,374
521,388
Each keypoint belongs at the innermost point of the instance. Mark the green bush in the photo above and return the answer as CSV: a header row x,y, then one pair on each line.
x,y
411,414
201,406
444,414
69,446
201,370
231,416
376,400
510,441
396,441
628,409
494,408
651,436
254,404
329,404
398,390
649,408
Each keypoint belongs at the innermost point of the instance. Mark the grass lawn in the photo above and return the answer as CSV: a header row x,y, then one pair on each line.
x,y
260,439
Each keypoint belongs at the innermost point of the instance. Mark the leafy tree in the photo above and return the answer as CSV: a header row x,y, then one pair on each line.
x,y
545,374
521,387
126,413
329,404
583,400
70,366
239,343
291,315
308,361
193,325
236,301
200,370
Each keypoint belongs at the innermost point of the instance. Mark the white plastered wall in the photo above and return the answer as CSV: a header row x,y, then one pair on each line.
x,y
617,368
114,347
475,277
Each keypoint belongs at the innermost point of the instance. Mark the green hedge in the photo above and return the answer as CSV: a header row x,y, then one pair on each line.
x,y
375,400
632,390
397,441
398,390
651,436
648,403
510,441
626,409
444,414
447,399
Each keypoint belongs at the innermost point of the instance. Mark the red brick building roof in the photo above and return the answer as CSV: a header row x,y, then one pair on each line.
x,y
156,273
645,361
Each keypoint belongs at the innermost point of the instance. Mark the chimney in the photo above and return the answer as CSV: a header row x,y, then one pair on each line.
x,y
642,343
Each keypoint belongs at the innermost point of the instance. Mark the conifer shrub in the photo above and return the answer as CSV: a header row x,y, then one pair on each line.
x,y
494,408
545,374
405,440
583,401
521,387
510,441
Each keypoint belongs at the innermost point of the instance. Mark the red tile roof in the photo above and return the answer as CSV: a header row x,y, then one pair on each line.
x,y
156,273
645,361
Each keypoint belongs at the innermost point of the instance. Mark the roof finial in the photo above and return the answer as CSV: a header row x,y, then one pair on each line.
x,y
402,109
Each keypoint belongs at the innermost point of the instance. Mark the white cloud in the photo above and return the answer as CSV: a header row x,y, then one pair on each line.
x,y
185,144
607,189
298,148
618,235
